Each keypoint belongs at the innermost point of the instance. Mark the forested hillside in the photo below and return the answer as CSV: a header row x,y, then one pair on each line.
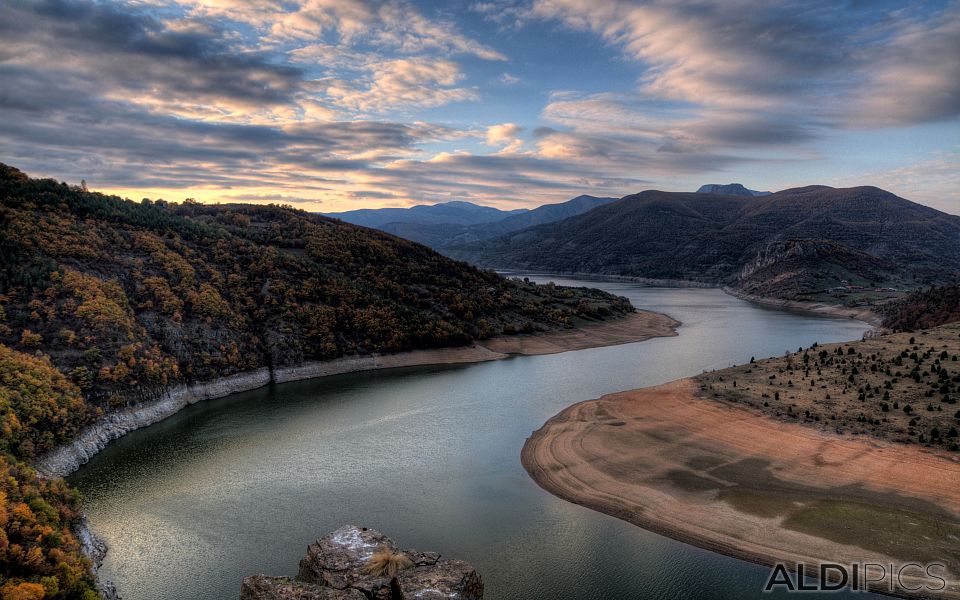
x,y
122,294
39,554
105,302
923,309
813,243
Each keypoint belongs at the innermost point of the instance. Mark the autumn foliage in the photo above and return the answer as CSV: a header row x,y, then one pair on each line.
x,y
127,298
39,555
106,302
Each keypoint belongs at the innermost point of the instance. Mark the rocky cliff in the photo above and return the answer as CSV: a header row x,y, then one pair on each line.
x,y
358,563
802,268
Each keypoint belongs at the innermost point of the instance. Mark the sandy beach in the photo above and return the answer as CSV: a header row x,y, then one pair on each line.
x,y
730,479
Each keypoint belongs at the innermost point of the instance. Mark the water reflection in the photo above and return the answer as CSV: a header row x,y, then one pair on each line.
x,y
430,456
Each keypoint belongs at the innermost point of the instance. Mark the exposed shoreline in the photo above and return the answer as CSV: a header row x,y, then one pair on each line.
x,y
821,309
737,482
647,281
818,308
635,327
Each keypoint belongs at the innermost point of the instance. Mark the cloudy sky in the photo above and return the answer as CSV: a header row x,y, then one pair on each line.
x,y
339,104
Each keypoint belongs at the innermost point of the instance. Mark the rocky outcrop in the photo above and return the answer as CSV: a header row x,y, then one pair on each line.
x,y
733,189
810,262
262,587
95,549
343,566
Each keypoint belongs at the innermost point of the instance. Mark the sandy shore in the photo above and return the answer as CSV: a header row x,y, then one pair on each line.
x,y
636,327
67,458
731,480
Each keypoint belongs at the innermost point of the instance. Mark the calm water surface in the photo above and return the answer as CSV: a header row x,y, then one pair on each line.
x,y
431,457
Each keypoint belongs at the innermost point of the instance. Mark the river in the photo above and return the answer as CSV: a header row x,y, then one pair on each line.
x,y
431,457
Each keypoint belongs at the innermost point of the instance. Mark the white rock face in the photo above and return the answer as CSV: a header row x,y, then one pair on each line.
x,y
68,458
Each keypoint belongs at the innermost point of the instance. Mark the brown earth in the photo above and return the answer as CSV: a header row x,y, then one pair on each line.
x,y
728,478
636,327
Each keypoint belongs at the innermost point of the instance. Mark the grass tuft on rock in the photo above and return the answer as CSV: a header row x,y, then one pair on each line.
x,y
386,562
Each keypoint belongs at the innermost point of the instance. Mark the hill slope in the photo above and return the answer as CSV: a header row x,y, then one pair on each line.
x,y
816,238
130,297
548,213
924,308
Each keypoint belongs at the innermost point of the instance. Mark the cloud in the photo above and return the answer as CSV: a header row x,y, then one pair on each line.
x,y
104,49
505,136
269,197
364,194
847,64
392,24
328,101
518,180
409,31
932,179
917,78
398,84
633,132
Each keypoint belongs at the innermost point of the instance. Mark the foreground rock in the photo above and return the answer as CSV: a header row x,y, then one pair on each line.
x,y
357,563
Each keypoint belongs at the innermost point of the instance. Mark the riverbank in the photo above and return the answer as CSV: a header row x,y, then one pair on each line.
x,y
818,308
638,326
732,480
644,281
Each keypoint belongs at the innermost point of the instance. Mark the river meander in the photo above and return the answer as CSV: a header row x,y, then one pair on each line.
x,y
429,456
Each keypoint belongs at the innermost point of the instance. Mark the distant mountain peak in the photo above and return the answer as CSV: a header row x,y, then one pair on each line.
x,y
463,203
730,189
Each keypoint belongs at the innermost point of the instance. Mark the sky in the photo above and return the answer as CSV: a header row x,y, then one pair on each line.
x,y
332,105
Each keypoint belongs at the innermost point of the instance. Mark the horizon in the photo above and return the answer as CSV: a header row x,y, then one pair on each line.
x,y
455,201
337,105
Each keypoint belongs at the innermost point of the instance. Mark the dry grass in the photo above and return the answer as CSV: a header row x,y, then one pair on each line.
x,y
903,387
386,562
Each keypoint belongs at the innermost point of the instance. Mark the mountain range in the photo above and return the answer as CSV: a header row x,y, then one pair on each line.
x,y
455,212
803,243
456,223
